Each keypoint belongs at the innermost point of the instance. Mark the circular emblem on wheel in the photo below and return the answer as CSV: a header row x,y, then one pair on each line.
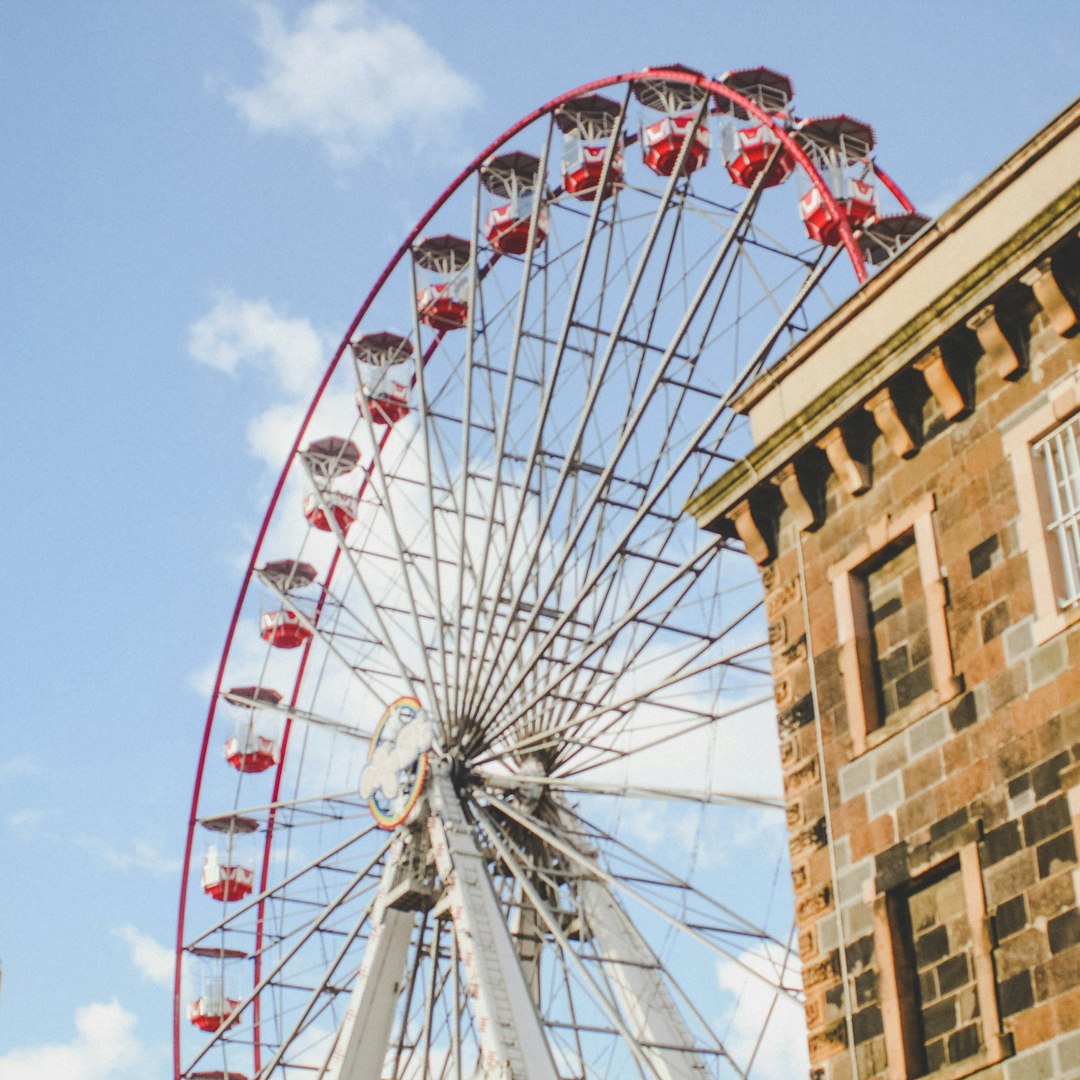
x,y
393,778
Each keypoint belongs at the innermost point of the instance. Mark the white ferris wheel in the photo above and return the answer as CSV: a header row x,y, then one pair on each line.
x,y
490,701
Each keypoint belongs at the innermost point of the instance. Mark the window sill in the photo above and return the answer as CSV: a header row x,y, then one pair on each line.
x,y
918,710
1047,626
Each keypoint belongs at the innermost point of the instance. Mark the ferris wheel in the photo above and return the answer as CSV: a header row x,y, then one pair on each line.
x,y
476,793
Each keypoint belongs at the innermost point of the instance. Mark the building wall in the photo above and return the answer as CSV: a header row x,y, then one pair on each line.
x,y
927,680
978,762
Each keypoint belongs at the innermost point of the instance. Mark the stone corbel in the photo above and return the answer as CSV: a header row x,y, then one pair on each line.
x,y
853,475
994,342
787,480
749,533
938,378
887,418
1042,282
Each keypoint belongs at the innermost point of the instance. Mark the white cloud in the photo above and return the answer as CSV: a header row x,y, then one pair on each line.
x,y
251,333
104,1047
783,1051
20,766
140,856
154,961
351,77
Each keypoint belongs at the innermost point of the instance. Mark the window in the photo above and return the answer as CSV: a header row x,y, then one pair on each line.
x,y
1060,456
1044,448
938,995
898,641
895,656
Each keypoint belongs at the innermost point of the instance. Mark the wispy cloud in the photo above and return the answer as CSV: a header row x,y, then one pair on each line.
x,y
352,78
19,767
781,1052
237,333
153,960
36,825
140,856
105,1047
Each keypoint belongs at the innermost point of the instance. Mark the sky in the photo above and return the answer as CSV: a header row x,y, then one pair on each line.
x,y
197,197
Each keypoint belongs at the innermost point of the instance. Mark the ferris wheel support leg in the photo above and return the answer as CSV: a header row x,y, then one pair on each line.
x,y
512,1041
370,1014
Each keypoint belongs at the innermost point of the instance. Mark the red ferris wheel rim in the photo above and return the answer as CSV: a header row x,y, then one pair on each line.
x,y
712,86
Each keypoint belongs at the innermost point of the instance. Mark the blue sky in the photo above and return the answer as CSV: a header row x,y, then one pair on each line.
x,y
197,197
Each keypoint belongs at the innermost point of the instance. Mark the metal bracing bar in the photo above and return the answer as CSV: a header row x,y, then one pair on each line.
x,y
590,867
373,1003
254,901
512,375
600,332
576,465
509,1028
266,980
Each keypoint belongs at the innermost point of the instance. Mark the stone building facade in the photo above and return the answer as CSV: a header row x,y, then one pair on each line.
x,y
913,502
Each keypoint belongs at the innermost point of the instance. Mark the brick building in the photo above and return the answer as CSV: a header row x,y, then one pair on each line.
x,y
913,502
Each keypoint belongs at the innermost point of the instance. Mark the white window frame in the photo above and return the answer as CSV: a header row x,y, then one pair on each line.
x,y
1059,454
1055,609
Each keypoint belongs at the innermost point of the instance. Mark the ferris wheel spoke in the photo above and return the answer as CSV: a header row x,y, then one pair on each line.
x,y
255,901
683,456
435,586
330,640
303,715
734,925
594,644
634,418
513,858
597,753
597,380
320,997
614,713
635,791
590,867
316,924
504,412
406,579
676,670
465,453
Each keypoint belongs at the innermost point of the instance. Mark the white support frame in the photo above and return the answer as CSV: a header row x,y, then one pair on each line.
x,y
512,1041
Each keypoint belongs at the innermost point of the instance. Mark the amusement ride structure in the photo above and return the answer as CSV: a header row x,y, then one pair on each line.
x,y
471,788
